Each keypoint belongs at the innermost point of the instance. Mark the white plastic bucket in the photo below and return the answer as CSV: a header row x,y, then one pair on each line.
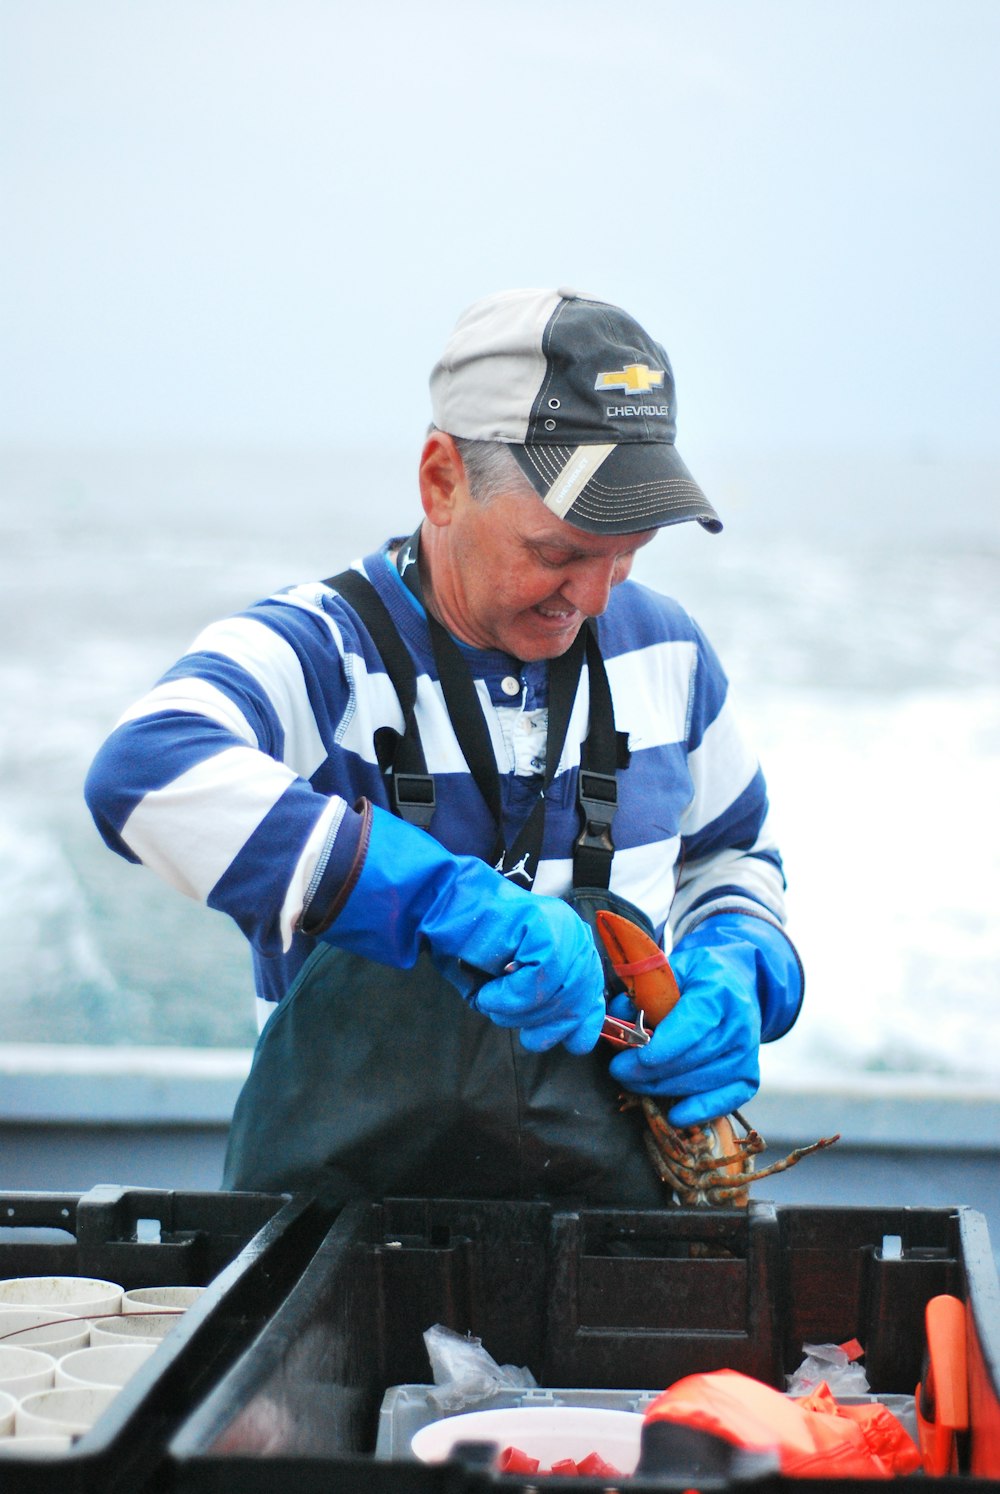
x,y
548,1433
108,1364
80,1295
62,1412
23,1371
42,1328
160,1299
34,1447
133,1328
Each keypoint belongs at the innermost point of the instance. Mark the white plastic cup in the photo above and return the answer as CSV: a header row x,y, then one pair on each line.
x,y
133,1328
548,1433
160,1299
62,1412
42,1328
109,1364
79,1295
34,1447
23,1371
8,1406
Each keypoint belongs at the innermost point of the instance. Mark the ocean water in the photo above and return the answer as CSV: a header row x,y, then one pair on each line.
x,y
854,604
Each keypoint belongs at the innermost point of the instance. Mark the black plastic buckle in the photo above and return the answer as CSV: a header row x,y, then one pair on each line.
x,y
414,798
597,796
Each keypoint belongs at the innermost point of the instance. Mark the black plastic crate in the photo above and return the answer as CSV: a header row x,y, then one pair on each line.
x,y
135,1236
591,1298
246,1249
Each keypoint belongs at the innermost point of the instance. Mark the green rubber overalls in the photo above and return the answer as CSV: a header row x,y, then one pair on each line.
x,y
370,1081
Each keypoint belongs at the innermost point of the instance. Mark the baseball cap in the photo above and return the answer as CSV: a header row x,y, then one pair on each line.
x,y
585,400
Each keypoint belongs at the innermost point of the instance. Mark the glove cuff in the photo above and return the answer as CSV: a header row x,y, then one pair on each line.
x,y
780,976
339,869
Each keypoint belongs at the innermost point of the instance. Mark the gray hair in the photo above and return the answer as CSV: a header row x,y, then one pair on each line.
x,y
490,469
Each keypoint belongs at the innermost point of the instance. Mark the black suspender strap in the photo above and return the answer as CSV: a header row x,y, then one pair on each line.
x,y
465,710
411,787
602,754
466,714
519,860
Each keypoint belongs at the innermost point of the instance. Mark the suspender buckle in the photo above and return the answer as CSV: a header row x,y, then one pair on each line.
x,y
414,798
597,796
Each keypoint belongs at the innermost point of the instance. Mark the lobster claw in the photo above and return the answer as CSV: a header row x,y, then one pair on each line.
x,y
709,1163
641,965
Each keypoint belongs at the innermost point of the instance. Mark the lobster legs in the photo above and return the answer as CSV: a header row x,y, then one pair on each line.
x,y
711,1163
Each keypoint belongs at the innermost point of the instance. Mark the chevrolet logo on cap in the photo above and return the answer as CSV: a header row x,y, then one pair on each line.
x,y
636,378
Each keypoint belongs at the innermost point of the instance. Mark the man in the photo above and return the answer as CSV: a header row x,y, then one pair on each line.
x,y
397,782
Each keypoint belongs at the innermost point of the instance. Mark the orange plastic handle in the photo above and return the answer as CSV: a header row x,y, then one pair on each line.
x,y
945,1386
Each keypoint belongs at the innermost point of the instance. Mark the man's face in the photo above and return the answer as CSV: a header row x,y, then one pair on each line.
x,y
507,574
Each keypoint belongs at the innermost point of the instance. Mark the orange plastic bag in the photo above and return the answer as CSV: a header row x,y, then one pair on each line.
x,y
813,1436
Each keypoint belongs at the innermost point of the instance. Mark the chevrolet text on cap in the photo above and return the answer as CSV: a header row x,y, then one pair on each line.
x,y
585,400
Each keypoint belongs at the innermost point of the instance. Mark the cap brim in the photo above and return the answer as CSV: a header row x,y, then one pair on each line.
x,y
637,485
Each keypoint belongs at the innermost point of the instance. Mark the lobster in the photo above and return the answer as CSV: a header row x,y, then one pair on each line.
x,y
711,1164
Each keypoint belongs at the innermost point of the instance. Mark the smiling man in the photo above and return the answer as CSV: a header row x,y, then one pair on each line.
x,y
506,574
413,784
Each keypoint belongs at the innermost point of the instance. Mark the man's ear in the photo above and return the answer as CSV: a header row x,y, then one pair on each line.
x,y
443,483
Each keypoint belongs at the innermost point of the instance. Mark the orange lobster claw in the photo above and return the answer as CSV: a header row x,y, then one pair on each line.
x,y
704,1164
641,965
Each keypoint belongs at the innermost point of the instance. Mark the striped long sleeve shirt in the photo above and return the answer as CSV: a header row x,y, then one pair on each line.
x,y
235,777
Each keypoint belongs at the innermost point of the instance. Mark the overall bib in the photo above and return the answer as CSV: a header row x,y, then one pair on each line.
x,y
369,1082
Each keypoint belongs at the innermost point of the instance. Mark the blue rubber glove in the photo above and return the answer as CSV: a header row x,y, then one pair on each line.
x,y
741,984
411,894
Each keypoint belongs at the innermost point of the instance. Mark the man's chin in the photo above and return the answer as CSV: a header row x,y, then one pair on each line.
x,y
548,640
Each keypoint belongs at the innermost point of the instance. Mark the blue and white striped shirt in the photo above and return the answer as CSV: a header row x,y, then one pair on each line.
x,y
234,778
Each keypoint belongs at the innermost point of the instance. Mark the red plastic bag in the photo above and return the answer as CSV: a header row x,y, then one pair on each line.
x,y
814,1437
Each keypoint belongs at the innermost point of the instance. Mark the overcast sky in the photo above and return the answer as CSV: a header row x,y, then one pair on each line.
x,y
256,220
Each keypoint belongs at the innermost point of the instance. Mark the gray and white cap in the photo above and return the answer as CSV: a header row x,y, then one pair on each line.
x,y
584,398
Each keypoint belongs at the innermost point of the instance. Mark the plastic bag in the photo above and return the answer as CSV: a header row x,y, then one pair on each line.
x,y
464,1372
833,1365
814,1438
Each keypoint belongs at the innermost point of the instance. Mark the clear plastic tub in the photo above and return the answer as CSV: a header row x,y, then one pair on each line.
x,y
408,1409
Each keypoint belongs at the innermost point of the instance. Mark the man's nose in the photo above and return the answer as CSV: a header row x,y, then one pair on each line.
x,y
590,588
